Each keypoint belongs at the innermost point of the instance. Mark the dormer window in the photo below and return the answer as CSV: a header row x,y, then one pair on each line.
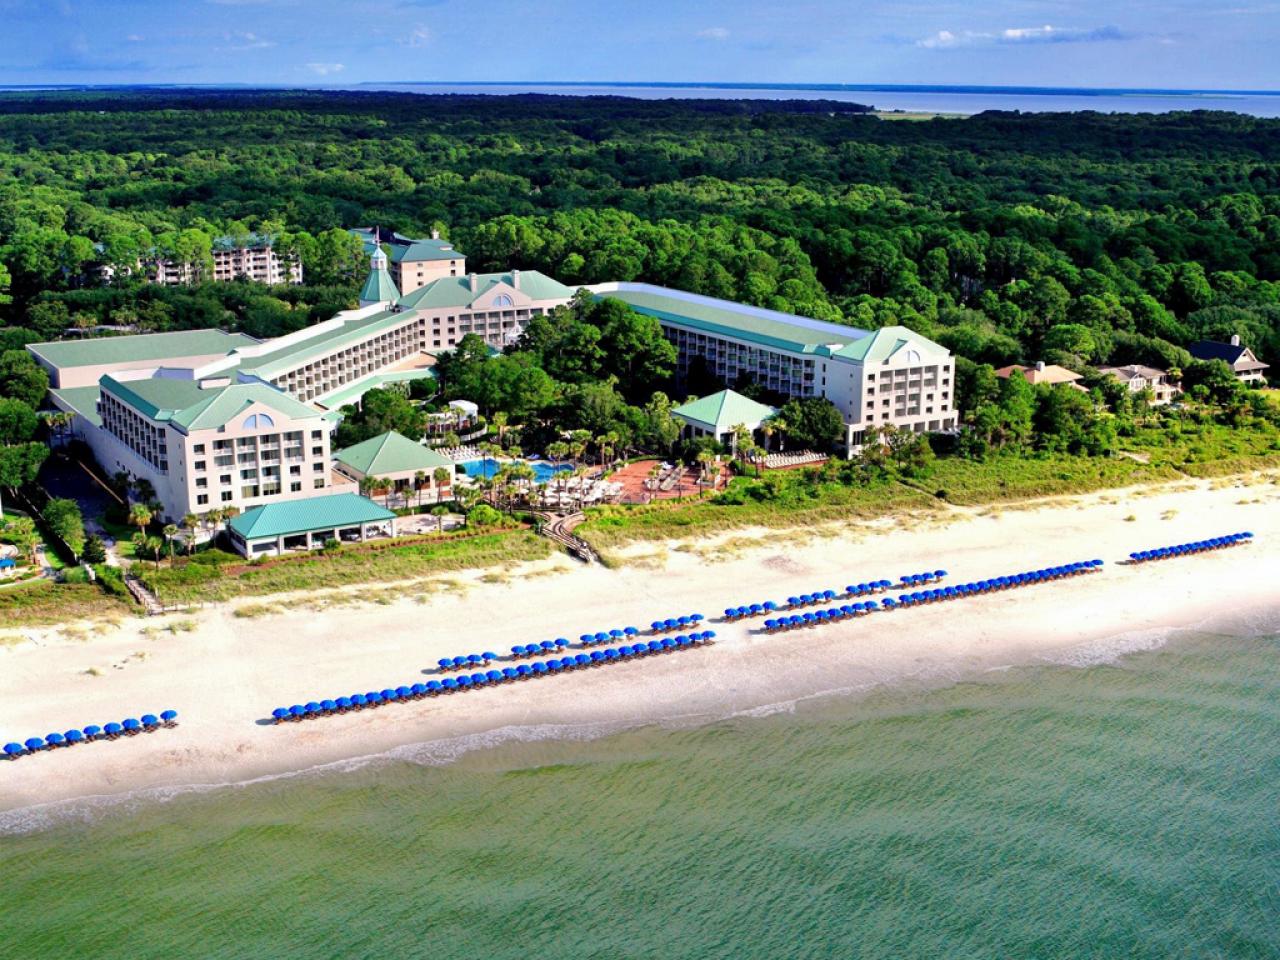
x,y
503,300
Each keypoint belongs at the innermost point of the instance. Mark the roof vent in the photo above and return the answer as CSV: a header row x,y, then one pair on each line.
x,y
1235,339
1040,365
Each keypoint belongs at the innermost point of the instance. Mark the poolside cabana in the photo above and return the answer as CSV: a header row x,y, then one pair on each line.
x,y
277,528
717,415
398,461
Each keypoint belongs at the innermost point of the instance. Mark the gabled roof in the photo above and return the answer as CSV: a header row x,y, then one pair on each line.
x,y
1133,371
390,453
379,288
410,249
139,348
723,411
303,516
1050,373
186,404
1232,353
457,292
887,343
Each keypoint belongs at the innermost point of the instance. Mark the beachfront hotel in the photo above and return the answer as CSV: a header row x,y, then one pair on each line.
x,y
887,377
213,419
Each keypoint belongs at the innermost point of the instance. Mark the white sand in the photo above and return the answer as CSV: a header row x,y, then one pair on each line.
x,y
227,675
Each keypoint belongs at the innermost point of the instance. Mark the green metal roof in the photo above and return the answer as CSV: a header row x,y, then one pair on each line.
x,y
758,327
457,292
81,400
139,348
379,288
721,412
390,453
888,341
189,406
410,248
288,517
292,355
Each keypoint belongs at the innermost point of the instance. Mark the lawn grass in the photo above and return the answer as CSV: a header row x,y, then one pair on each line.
x,y
800,502
44,603
187,582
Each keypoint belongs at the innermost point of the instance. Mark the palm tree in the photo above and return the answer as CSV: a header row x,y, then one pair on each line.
x,y
440,512
443,477
499,422
155,547
367,485
705,460
419,480
170,531
145,490
189,523
780,427
140,516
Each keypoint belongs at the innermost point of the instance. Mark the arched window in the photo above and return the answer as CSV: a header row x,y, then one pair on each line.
x,y
913,356
503,300
257,421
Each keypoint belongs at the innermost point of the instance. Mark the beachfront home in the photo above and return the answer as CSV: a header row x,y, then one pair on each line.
x,y
1138,378
718,415
1042,372
1242,361
874,378
403,465
277,528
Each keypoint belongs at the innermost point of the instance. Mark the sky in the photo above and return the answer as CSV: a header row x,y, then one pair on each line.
x,y
1082,43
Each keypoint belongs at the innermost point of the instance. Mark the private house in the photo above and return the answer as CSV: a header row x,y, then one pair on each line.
x,y
892,376
1042,372
278,528
1139,378
717,416
408,468
1242,361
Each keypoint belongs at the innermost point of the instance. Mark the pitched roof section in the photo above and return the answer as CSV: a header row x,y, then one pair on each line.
x,y
723,411
379,288
1050,373
81,400
188,405
299,352
390,453
303,516
410,249
457,292
139,348
892,344
1235,355
726,318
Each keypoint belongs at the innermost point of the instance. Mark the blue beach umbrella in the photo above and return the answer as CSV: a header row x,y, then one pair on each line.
x,y
697,617
114,729
445,663
312,708
479,679
14,749
131,723
562,643
92,730
434,687
459,662
474,658
656,625
539,669
630,632
418,690
74,736
547,646
54,739
358,699
449,684
489,655
587,638
168,716
611,654
493,676
34,743
509,673
524,670
602,637
280,713
597,656
297,710
464,682
387,694
344,703
581,660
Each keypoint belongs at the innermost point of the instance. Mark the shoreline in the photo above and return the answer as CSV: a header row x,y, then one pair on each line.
x,y
226,674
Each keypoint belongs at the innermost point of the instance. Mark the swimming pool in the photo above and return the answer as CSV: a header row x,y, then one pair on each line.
x,y
542,470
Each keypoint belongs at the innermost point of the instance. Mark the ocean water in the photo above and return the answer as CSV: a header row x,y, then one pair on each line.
x,y
1128,809
908,98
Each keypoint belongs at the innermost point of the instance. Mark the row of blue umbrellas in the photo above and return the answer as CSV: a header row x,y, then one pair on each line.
x,y
1186,549
995,584
435,688
128,727
672,624
818,617
918,579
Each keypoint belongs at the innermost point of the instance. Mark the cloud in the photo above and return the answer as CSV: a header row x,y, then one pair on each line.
x,y
325,69
419,36
714,33
1014,36
244,40
135,38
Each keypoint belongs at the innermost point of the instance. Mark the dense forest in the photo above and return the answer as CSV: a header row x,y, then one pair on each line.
x,y
1076,238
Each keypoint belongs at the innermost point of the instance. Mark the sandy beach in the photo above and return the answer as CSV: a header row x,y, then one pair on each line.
x,y
224,673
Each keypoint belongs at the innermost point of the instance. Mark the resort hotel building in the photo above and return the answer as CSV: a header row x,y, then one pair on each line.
x,y
887,377
213,419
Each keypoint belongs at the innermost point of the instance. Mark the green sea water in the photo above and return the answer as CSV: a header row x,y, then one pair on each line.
x,y
1121,810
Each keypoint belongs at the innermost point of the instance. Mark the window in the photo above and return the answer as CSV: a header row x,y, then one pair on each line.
x,y
295,487
317,468
295,471
198,448
316,434
318,483
317,451
224,478
200,464
202,499
226,496
201,483
503,300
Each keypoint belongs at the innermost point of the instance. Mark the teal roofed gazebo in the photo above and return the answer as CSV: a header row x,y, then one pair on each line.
x,y
717,415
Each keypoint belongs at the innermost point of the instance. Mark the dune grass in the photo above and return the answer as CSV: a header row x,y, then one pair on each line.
x,y
44,603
